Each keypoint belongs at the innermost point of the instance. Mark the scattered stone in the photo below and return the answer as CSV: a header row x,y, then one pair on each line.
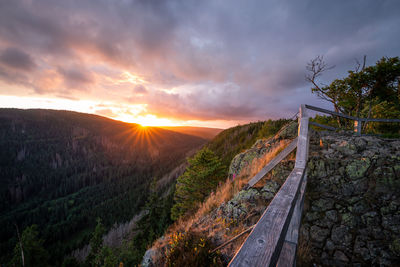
x,y
370,218
392,223
340,256
318,234
357,168
322,204
331,215
148,258
341,236
271,186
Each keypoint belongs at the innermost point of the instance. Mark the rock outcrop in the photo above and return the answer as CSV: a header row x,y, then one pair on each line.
x,y
352,209
351,214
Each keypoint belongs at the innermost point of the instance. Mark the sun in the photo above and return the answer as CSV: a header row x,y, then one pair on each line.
x,y
152,120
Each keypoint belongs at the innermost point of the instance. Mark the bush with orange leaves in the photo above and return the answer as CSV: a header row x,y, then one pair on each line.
x,y
192,249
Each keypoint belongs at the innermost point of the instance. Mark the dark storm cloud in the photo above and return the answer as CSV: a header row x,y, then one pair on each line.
x,y
225,59
76,76
16,58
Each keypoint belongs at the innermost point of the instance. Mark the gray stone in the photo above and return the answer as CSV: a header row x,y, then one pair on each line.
x,y
391,222
318,234
360,249
312,216
340,256
346,147
357,168
349,219
370,218
347,189
322,204
395,247
267,195
360,207
330,246
340,235
148,258
331,215
271,186
360,144
375,248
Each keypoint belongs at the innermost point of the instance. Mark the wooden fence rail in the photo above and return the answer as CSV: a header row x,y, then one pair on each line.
x,y
357,121
271,164
273,240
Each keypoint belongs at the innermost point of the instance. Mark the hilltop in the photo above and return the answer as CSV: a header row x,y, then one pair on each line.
x,y
203,132
62,169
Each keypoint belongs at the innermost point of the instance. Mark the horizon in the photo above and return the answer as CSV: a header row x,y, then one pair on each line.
x,y
209,64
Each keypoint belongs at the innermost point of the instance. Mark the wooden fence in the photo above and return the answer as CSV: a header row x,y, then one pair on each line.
x,y
357,121
273,240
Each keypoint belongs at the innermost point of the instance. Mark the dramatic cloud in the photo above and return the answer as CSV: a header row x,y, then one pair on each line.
x,y
189,60
15,58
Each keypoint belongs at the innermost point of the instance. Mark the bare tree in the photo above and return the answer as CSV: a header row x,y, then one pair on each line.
x,y
316,67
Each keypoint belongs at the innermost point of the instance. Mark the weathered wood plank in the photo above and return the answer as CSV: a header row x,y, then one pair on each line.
x,y
331,112
323,126
293,231
271,164
379,120
289,249
302,139
288,255
348,116
262,247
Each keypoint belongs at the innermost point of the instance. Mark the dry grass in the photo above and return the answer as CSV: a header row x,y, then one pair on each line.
x,y
258,163
202,222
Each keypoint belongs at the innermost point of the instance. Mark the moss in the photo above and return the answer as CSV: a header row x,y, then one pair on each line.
x,y
395,247
348,219
356,169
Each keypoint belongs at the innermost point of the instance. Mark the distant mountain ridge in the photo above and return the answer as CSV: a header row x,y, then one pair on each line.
x,y
63,169
203,132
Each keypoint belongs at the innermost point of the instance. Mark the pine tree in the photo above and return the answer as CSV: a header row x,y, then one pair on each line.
x,y
96,244
203,174
32,250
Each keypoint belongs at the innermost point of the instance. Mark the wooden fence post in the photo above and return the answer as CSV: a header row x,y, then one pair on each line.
x,y
357,127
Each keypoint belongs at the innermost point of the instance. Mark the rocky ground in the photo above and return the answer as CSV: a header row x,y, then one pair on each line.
x,y
352,207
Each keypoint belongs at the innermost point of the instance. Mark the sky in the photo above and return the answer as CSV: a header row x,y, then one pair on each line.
x,y
209,63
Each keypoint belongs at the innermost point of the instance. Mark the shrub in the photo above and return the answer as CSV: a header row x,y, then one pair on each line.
x,y
191,249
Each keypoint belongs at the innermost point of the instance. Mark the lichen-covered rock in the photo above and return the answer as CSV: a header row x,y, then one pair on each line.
x,y
260,148
395,247
331,215
271,187
148,258
352,210
341,235
340,257
318,234
357,168
239,205
322,204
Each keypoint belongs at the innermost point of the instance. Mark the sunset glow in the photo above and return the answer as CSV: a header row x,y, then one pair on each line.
x,y
206,63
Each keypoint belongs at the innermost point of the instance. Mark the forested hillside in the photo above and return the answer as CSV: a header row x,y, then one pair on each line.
x,y
203,132
61,170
